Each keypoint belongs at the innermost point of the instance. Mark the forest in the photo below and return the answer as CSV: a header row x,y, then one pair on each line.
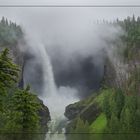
x,y
113,109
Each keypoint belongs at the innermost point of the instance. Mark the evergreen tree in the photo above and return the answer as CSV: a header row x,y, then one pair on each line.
x,y
114,124
106,105
128,114
8,70
24,112
119,103
8,74
10,33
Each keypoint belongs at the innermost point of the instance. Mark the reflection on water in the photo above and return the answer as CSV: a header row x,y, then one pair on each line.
x,y
56,129
102,136
70,137
55,137
23,136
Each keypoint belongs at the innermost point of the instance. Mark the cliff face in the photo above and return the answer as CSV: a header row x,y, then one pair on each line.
x,y
44,115
109,74
90,108
86,113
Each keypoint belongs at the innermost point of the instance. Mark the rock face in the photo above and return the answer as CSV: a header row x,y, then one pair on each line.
x,y
44,114
87,110
86,113
109,74
85,75
73,111
90,113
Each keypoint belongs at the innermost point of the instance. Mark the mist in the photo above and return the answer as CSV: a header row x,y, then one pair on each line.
x,y
73,50
74,42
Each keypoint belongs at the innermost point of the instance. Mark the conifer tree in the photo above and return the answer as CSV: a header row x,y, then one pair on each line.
x,y
24,108
8,73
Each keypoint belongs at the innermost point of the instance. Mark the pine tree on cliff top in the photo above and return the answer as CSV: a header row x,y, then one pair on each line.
x,y
8,74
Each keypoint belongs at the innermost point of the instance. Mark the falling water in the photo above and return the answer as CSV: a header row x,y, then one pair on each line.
x,y
56,99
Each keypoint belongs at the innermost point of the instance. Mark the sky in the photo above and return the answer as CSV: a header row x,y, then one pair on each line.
x,y
65,25
81,2
97,13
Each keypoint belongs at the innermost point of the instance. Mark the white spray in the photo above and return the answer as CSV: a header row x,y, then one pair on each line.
x,y
56,99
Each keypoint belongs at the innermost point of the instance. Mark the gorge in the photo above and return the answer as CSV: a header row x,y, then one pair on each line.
x,y
79,77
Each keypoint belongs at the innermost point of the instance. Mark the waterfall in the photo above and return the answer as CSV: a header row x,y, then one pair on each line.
x,y
49,87
56,99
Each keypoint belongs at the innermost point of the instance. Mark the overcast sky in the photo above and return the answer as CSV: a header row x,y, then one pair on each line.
x,y
64,24
97,13
102,2
52,19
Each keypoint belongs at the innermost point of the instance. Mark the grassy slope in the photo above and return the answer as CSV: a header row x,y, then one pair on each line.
x,y
99,124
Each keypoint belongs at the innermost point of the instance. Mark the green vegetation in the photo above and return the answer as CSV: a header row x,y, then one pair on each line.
x,y
10,33
99,125
23,112
121,103
81,127
8,75
19,108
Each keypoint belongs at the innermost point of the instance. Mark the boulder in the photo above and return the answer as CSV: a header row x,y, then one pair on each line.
x,y
73,111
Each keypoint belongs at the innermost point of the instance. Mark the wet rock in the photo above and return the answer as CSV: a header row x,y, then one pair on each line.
x,y
72,111
44,114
